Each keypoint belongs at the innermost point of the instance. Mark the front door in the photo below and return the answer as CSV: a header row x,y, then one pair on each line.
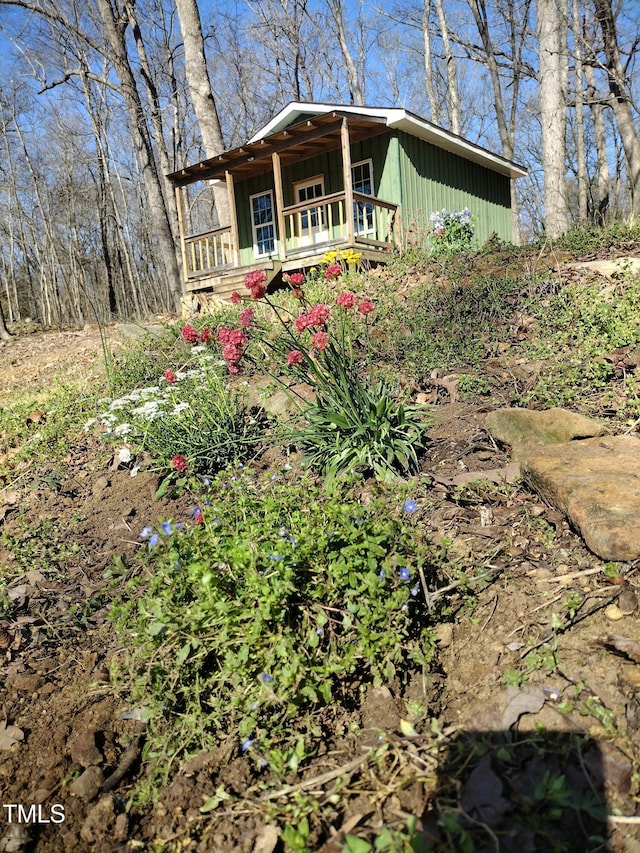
x,y
311,223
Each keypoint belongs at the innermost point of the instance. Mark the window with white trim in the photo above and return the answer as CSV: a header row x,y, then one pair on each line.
x,y
263,224
362,182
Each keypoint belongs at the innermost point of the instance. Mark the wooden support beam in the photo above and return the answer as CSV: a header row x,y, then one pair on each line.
x,y
233,215
348,186
277,179
183,247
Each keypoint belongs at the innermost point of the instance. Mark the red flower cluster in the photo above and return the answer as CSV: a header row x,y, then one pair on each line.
x,y
346,299
366,307
170,376
233,343
246,317
296,279
255,281
235,298
318,316
294,357
179,463
189,334
320,341
333,271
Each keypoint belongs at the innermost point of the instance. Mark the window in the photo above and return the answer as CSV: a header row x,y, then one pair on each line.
x,y
362,182
311,222
263,224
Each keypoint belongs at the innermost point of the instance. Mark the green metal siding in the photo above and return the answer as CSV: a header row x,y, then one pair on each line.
x,y
433,179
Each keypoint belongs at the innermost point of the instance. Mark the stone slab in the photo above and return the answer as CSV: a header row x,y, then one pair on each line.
x,y
523,428
596,483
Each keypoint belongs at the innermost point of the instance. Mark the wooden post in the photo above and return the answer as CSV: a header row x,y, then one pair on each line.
x,y
277,179
348,186
183,247
231,195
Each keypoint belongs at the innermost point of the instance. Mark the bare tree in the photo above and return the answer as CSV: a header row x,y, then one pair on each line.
x,y
620,97
552,94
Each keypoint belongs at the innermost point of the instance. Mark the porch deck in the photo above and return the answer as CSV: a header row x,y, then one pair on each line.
x,y
211,259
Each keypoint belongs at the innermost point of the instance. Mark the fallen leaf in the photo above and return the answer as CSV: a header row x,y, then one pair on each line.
x,y
529,700
617,643
268,839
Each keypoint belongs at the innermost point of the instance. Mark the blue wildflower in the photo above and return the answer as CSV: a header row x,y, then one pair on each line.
x,y
167,528
410,506
283,532
404,573
268,679
276,557
247,744
154,539
146,532
415,590
381,574
320,632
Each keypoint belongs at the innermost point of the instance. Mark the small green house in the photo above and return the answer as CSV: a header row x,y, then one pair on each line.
x,y
320,177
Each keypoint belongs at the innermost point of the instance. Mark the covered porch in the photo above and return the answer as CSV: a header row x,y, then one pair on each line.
x,y
289,236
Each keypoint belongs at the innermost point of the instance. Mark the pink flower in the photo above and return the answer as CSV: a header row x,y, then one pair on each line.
x,y
294,357
179,463
296,279
346,299
258,291
297,293
246,317
223,335
320,341
238,338
366,307
255,278
198,517
318,315
206,335
235,297
170,376
333,271
302,322
189,334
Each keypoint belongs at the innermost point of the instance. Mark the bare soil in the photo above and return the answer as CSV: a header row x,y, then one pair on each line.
x,y
58,645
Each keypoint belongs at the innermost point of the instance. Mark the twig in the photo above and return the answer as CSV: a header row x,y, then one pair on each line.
x,y
490,616
318,780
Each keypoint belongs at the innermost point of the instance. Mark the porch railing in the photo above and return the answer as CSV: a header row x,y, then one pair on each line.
x,y
209,252
323,220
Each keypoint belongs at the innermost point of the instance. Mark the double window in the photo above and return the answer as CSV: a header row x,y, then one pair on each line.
x,y
263,224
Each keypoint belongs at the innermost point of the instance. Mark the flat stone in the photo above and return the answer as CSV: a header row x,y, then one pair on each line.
x,y
596,483
524,428
87,785
84,751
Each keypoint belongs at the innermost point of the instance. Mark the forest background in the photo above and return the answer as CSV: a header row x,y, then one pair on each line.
x,y
101,99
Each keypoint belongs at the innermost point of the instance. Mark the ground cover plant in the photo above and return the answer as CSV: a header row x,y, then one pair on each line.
x,y
255,660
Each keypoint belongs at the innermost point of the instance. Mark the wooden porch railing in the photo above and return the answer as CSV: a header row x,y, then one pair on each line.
x,y
210,251
322,221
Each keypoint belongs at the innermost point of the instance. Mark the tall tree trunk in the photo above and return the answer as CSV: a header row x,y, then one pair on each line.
x,y
620,98
552,57
428,70
581,160
354,81
601,201
452,76
115,28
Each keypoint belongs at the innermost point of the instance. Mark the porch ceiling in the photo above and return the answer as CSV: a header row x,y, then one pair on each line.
x,y
295,143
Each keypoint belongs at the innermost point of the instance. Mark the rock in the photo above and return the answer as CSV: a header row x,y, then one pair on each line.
x,y
134,332
15,839
87,785
121,829
98,819
83,749
613,613
26,683
524,428
596,483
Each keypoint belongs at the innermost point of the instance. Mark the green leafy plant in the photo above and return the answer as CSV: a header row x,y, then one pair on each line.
x,y
267,606
190,421
354,421
451,232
